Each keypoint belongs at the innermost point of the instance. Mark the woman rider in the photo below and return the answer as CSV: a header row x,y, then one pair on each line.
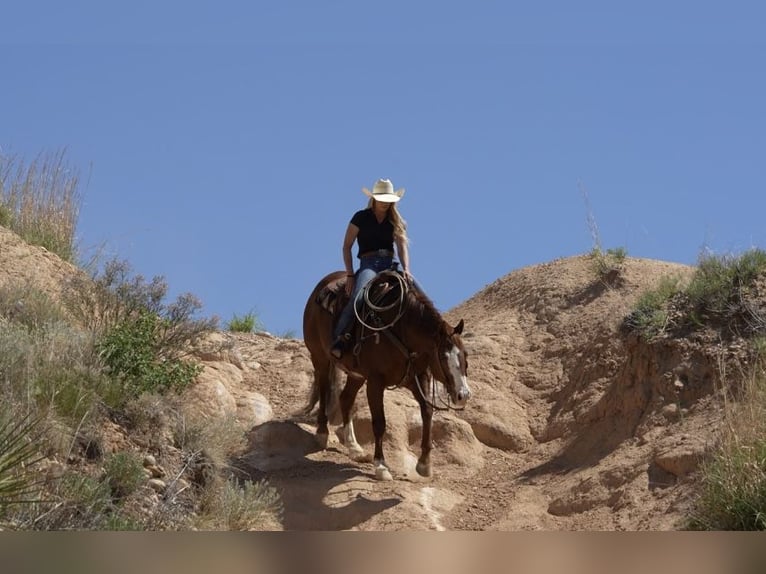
x,y
376,229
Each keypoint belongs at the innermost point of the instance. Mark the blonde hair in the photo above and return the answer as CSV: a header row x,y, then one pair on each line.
x,y
396,219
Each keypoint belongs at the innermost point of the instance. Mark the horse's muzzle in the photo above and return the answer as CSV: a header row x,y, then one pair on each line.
x,y
462,395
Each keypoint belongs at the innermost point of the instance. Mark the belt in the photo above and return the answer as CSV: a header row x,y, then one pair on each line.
x,y
377,253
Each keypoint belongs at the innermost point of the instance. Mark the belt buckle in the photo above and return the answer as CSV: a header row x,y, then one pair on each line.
x,y
382,252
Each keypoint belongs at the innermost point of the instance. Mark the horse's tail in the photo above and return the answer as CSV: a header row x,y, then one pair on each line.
x,y
333,387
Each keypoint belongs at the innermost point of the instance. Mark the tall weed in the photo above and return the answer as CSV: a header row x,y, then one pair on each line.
x,y
733,485
40,201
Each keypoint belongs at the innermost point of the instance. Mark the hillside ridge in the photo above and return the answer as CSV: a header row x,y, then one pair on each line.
x,y
574,424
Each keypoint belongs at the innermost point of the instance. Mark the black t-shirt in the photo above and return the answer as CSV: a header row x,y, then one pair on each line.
x,y
373,235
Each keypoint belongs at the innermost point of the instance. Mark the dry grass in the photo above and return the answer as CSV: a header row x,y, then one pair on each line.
x,y
733,493
40,201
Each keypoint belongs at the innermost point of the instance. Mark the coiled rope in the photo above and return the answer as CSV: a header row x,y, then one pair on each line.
x,y
365,295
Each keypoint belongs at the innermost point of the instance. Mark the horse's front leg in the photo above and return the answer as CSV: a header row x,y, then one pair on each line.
x,y
346,433
419,389
375,390
322,372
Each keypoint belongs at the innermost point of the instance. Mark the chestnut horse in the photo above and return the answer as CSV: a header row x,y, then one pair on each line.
x,y
409,345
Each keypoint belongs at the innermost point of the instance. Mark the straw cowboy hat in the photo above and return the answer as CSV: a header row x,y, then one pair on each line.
x,y
383,190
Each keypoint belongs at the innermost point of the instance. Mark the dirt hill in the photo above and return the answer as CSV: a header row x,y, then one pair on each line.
x,y
573,425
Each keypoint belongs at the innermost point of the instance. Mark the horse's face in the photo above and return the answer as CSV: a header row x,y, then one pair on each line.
x,y
453,363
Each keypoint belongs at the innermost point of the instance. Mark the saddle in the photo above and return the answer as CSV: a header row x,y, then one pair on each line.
x,y
374,304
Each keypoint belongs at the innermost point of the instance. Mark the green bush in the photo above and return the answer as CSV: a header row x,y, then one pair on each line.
x,y
245,324
716,296
720,281
124,473
652,311
138,361
141,340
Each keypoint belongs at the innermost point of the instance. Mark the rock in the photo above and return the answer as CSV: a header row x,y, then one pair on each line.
x,y
211,395
253,409
157,485
680,458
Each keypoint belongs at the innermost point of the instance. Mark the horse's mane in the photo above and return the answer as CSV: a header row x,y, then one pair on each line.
x,y
419,306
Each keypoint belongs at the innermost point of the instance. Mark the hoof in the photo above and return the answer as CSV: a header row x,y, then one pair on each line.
x,y
356,452
423,469
322,440
382,473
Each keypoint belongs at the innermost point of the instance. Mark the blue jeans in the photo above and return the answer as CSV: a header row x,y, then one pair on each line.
x,y
368,269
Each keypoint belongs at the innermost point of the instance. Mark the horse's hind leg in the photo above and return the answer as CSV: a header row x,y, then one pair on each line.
x,y
346,433
375,399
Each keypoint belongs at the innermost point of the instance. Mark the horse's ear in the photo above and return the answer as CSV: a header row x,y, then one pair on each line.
x,y
458,328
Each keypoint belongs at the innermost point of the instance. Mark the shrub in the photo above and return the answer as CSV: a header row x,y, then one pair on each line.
x,y
245,324
239,506
113,296
214,439
718,285
607,264
141,340
652,311
718,296
124,473
138,360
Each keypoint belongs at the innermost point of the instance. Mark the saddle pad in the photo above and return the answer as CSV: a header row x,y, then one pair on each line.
x,y
327,298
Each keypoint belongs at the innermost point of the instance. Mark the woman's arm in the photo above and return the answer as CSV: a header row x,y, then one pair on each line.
x,y
348,242
404,257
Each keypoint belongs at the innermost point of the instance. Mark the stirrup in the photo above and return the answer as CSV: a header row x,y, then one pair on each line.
x,y
339,345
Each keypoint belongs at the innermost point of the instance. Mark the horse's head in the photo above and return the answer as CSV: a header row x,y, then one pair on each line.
x,y
452,364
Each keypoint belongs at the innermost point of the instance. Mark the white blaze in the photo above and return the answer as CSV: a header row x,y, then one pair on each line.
x,y
461,381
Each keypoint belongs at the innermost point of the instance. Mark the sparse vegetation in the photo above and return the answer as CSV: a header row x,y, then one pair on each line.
x,y
718,296
110,354
40,201
733,486
719,288
239,506
124,473
722,296
651,315
606,263
247,323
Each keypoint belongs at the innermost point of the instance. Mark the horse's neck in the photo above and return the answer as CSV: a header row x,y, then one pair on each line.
x,y
423,325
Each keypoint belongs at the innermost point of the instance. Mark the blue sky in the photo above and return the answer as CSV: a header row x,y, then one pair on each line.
x,y
225,146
